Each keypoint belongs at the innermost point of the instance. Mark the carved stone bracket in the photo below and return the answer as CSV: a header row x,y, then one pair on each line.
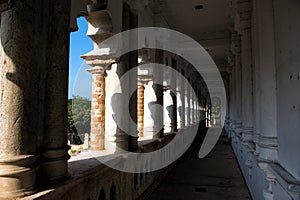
x,y
242,19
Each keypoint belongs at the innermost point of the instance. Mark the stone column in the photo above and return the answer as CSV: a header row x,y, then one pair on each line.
x,y
199,105
232,90
236,49
140,107
20,71
54,165
153,124
153,98
173,83
115,117
133,108
143,80
169,104
168,110
256,77
97,135
247,92
103,19
114,92
208,105
150,127
158,76
243,26
187,105
153,115
195,105
181,101
206,100
33,92
268,145
192,111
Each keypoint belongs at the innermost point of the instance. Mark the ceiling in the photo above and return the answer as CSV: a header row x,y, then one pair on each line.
x,y
210,26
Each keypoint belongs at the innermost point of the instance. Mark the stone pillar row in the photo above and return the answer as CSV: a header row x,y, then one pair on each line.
x,y
252,87
151,108
253,101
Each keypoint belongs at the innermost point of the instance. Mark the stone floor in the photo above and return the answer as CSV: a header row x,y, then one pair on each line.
x,y
216,177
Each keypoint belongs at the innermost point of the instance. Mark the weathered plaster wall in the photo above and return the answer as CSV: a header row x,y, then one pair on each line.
x,y
287,32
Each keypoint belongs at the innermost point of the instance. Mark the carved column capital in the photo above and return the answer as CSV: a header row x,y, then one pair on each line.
x,y
144,79
99,63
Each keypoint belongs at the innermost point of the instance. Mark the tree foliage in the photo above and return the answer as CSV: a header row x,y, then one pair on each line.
x,y
79,115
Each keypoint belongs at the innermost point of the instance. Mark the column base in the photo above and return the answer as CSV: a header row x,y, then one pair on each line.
x,y
97,142
117,143
133,144
154,132
256,141
18,176
247,134
268,149
54,165
238,129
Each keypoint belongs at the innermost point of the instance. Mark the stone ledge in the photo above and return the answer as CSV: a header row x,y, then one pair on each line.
x,y
286,180
81,166
264,179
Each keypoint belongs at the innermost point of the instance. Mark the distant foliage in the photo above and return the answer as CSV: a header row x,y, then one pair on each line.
x,y
79,117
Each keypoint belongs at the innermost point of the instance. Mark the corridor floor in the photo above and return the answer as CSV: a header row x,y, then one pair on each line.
x,y
216,177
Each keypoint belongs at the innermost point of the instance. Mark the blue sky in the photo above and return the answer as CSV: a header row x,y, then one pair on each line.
x,y
79,79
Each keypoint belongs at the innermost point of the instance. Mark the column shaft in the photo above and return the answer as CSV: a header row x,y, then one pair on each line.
x,y
187,105
140,108
181,94
174,97
54,166
268,104
115,116
192,117
158,108
168,111
247,91
256,77
19,102
238,91
179,105
97,135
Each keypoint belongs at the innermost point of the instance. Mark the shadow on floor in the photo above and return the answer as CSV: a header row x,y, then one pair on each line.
x,y
215,177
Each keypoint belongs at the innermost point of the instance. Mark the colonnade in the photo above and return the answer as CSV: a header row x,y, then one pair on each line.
x,y
262,79
255,105
159,110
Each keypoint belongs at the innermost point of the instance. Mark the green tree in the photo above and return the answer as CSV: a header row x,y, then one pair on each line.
x,y
79,116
